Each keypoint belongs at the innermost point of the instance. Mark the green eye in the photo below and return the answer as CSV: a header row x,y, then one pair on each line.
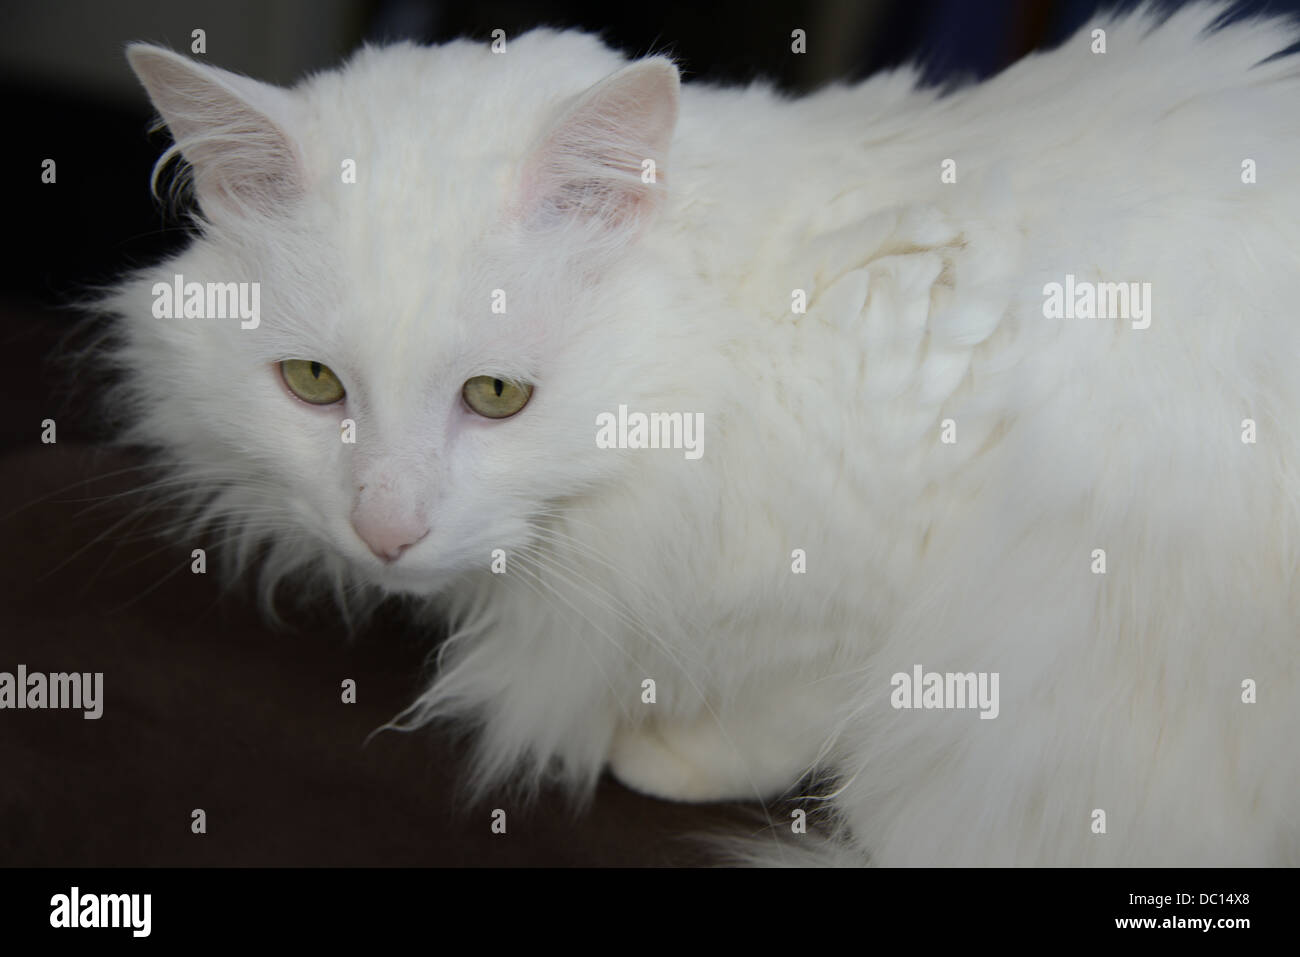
x,y
496,398
312,382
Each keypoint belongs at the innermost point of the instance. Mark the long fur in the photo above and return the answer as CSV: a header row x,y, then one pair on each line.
x,y
1119,692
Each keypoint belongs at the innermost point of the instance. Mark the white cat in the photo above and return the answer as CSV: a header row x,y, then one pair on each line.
x,y
934,437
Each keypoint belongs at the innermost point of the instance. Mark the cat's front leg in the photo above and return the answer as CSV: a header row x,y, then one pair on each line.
x,y
755,753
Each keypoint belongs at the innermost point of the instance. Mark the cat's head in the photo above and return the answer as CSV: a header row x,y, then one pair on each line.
x,y
457,272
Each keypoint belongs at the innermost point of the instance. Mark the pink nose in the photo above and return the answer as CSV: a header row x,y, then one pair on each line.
x,y
387,537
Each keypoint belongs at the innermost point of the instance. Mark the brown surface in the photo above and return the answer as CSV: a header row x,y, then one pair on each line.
x,y
208,707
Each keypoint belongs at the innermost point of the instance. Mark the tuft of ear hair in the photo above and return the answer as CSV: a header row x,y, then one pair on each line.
x,y
592,164
228,128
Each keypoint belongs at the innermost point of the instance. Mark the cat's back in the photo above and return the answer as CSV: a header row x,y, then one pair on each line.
x,y
1055,298
1107,235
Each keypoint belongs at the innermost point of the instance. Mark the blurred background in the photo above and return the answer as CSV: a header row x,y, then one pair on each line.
x,y
71,97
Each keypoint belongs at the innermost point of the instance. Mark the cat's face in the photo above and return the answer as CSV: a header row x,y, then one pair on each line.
x,y
450,289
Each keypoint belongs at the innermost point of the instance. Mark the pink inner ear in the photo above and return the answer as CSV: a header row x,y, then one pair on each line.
x,y
221,125
590,164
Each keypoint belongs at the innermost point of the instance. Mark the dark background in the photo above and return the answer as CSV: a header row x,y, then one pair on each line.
x,y
207,706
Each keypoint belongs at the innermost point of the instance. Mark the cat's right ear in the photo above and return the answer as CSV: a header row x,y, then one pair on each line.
x,y
602,162
227,127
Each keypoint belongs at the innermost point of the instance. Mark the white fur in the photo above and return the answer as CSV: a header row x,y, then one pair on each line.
x,y
1119,692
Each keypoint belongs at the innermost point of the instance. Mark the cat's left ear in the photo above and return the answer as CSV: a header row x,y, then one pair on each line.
x,y
229,128
603,160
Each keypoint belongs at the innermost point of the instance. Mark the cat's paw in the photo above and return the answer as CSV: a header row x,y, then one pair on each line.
x,y
685,763
643,761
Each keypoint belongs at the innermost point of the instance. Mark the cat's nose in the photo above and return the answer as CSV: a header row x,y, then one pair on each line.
x,y
386,536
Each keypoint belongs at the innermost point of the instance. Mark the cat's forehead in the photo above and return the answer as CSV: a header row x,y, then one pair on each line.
x,y
414,154
440,131
413,158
